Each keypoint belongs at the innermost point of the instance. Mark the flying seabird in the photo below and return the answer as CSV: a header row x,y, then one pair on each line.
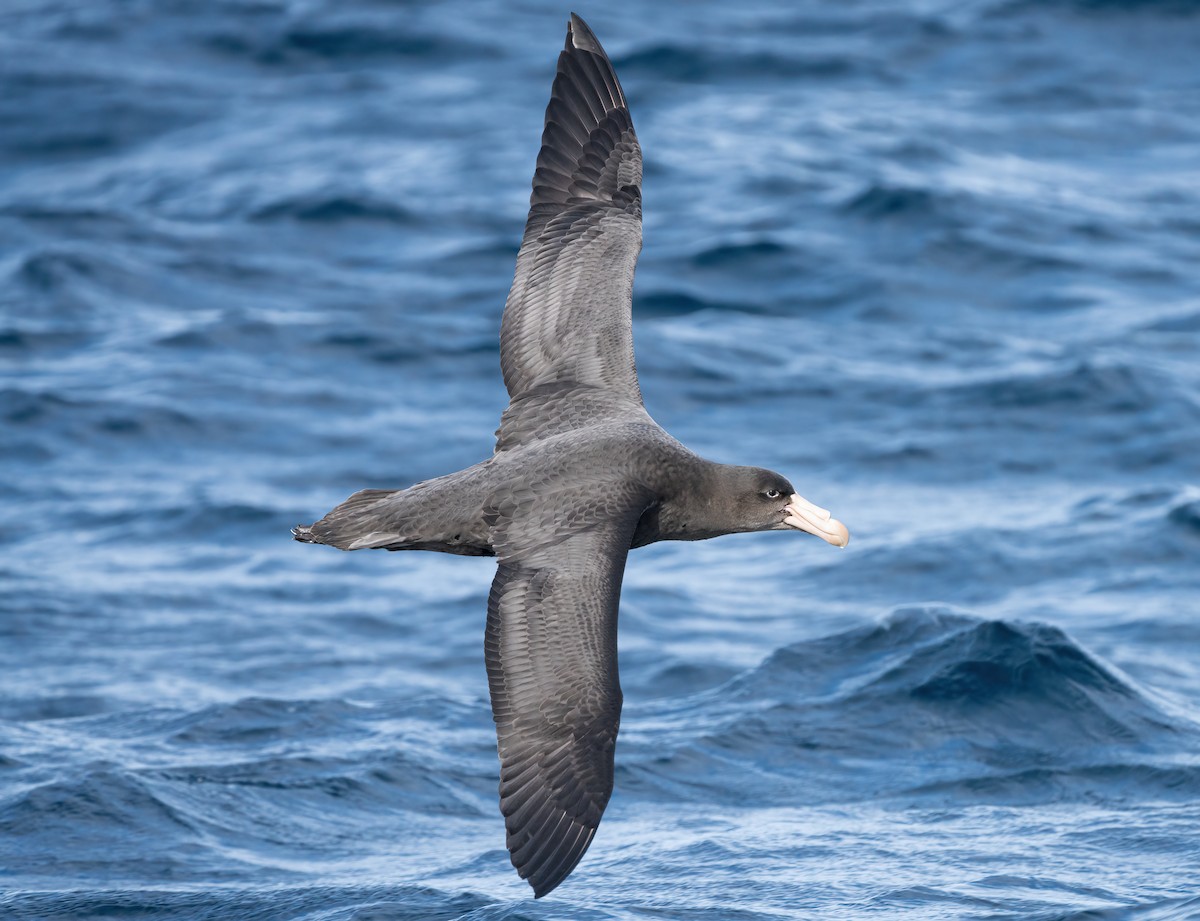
x,y
580,475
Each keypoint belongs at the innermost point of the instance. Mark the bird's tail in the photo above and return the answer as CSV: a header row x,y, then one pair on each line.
x,y
444,514
355,524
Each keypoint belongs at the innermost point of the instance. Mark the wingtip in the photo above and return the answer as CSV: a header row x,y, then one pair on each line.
x,y
547,871
579,35
547,884
544,886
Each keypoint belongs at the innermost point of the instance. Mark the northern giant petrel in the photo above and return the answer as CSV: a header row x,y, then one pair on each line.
x,y
580,475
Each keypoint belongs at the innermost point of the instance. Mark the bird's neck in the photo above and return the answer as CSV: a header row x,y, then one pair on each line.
x,y
695,512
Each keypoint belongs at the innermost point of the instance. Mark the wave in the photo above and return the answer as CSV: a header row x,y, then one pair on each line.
x,y
245,792
104,813
1173,8
84,112
744,255
929,700
64,270
256,718
1103,387
141,519
333,206
688,64
881,201
1003,255
1186,516
275,794
1150,507
54,707
80,419
25,342
344,39
1108,782
273,903
1185,322
675,303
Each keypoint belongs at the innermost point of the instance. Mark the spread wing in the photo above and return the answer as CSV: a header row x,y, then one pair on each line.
x,y
567,334
551,651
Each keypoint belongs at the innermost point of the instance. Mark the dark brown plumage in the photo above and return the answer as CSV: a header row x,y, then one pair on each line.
x,y
581,474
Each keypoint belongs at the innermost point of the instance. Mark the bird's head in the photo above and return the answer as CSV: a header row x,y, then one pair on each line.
x,y
763,500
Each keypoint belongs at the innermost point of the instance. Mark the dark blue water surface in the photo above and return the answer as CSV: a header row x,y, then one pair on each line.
x,y
935,261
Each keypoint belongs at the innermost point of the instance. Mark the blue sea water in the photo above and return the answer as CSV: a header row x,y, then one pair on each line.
x,y
934,261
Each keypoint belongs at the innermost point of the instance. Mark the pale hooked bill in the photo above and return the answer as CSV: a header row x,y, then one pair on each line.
x,y
806,516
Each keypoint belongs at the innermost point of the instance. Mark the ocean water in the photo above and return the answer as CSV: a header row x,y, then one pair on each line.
x,y
934,261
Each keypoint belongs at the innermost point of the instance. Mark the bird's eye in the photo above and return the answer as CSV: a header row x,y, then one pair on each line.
x,y
772,494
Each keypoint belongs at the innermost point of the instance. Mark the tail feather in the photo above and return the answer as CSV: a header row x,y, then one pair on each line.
x,y
358,523
444,514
